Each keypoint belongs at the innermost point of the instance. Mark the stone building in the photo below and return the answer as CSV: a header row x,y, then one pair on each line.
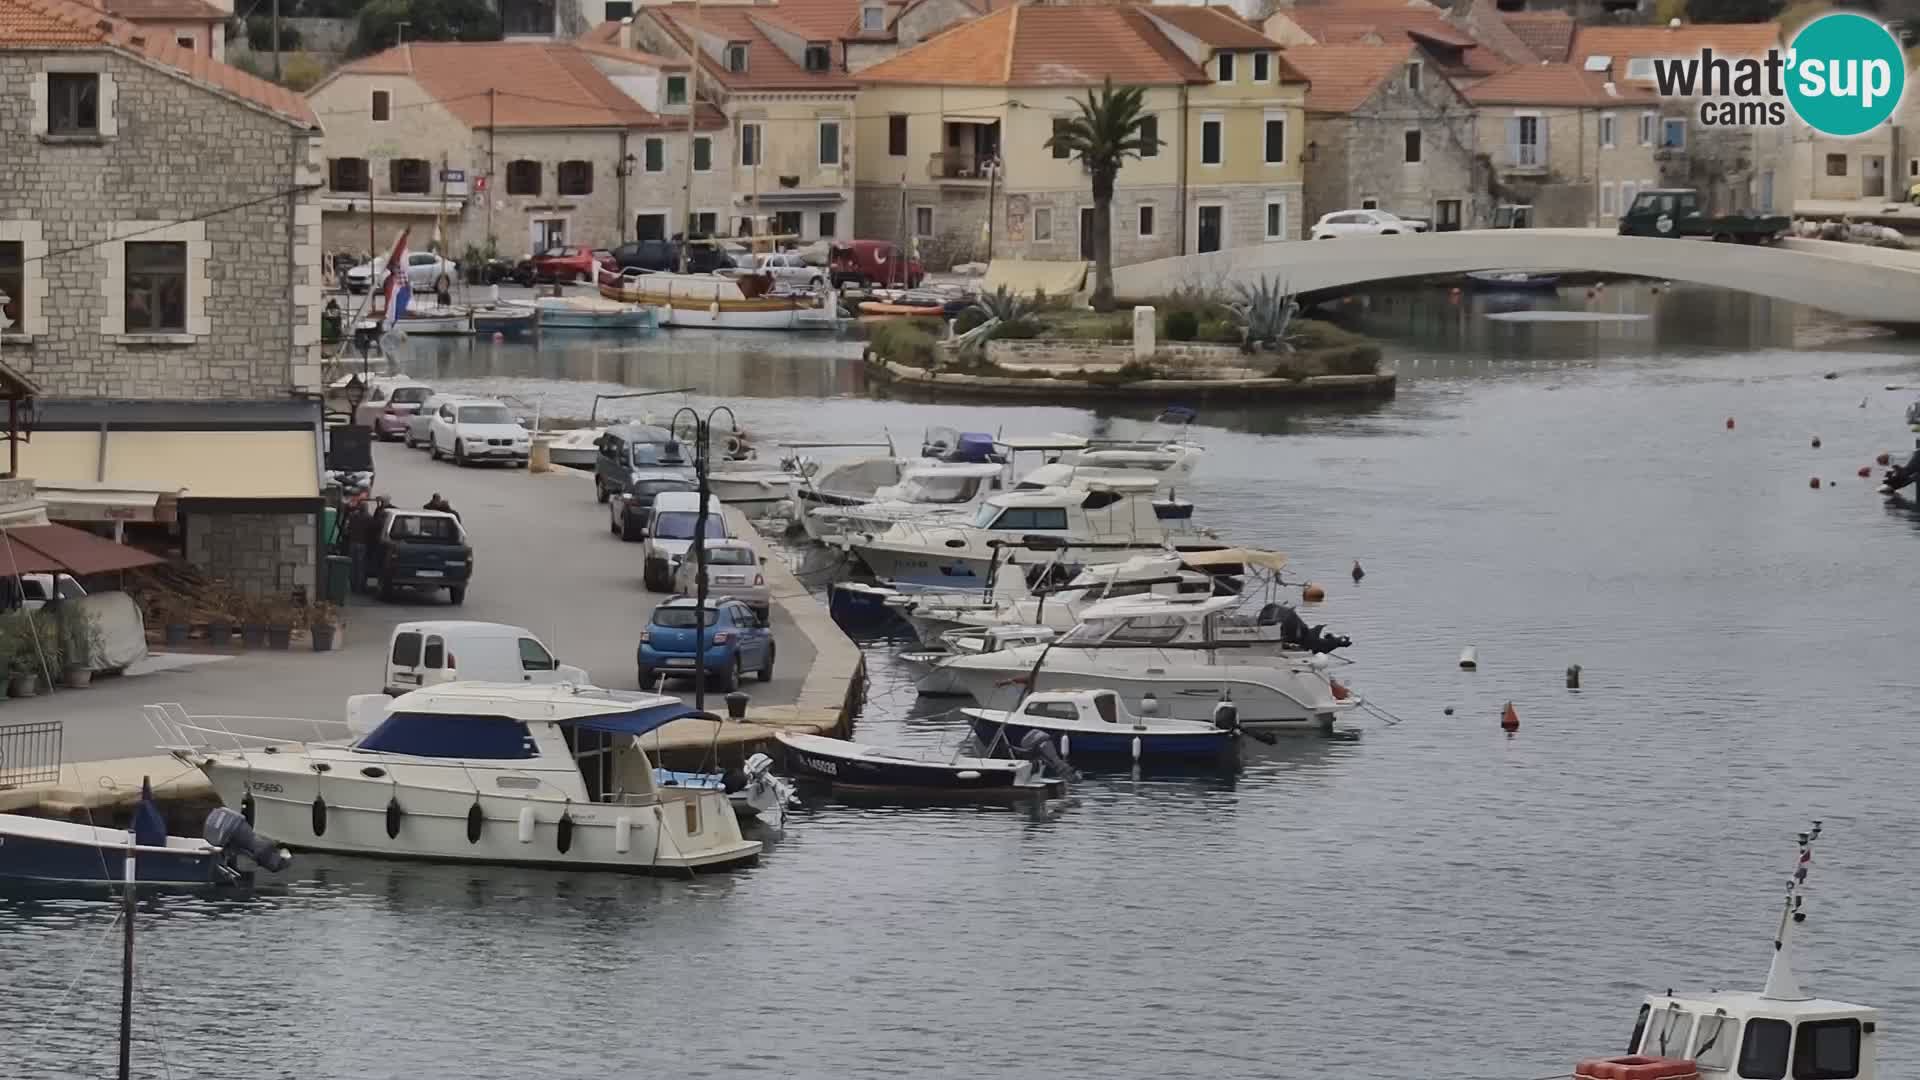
x,y
194,25
159,239
1572,144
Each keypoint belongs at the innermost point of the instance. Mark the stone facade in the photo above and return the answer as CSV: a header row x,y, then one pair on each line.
x,y
1571,151
169,150
1360,157
261,553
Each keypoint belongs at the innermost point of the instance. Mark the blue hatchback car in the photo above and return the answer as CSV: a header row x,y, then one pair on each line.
x,y
735,639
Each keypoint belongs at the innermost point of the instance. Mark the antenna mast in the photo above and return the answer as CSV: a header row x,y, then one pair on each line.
x,y
1781,985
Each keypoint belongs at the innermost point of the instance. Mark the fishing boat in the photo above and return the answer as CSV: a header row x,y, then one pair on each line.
x,y
938,681
1093,723
507,320
48,851
510,773
857,766
589,313
752,789
432,320
1743,1035
1514,280
745,301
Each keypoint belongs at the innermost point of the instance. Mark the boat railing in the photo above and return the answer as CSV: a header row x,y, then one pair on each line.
x,y
180,732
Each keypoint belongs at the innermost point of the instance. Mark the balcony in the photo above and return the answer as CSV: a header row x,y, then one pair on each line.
x,y
972,151
1525,157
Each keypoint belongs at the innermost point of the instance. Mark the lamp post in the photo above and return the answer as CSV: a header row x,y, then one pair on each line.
x,y
702,635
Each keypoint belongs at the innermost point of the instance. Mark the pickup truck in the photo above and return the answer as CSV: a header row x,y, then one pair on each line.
x,y
1675,212
420,549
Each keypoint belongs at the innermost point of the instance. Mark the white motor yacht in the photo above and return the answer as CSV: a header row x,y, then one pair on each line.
x,y
937,681
1059,606
542,775
929,493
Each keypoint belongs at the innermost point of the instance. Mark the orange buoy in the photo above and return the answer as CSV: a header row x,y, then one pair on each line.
x,y
1339,692
498,337
1729,423
1816,442
1313,594
1813,482
1866,471
1509,720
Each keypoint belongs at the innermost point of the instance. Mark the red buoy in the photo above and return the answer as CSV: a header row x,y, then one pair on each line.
x,y
1729,423
1313,594
1883,458
1636,1067
1813,482
1865,471
1339,692
1816,442
1509,720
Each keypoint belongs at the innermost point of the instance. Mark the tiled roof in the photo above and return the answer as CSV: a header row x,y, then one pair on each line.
x,y
595,43
1044,46
1548,33
769,67
1344,76
1354,24
1554,84
169,10
65,22
1214,26
1624,43
512,84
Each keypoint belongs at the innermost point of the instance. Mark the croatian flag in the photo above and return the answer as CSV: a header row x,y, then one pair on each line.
x,y
397,290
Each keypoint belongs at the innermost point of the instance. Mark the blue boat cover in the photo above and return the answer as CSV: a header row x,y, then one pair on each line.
x,y
149,828
640,721
973,446
450,736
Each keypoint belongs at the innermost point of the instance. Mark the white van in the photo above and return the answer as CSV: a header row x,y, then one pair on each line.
x,y
429,653
670,534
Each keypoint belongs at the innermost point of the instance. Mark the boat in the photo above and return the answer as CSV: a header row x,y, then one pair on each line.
x,y
46,851
514,773
575,447
1779,1031
745,301
1093,723
432,320
938,681
752,789
929,492
588,313
754,490
1010,602
507,320
1514,280
857,766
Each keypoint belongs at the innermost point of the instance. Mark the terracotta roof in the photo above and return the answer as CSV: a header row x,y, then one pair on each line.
x,y
591,43
516,84
769,67
1624,43
1214,26
1044,46
169,10
1380,24
1548,33
1344,76
67,23
1553,84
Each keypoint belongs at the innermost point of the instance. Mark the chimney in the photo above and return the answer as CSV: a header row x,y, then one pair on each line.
x,y
625,40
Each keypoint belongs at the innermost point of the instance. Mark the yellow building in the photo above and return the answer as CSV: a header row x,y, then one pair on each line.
x,y
955,131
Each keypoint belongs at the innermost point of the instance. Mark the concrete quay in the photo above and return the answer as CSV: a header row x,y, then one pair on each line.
x,y
543,559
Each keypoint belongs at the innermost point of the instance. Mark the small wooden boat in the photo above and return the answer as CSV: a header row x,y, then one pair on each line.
x,y
505,319
720,302
590,313
859,766
43,850
881,307
1514,280
436,321
1093,723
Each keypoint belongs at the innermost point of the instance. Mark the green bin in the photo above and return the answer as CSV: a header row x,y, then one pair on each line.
x,y
339,575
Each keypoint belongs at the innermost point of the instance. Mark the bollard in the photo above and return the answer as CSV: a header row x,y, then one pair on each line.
x,y
1144,344
541,457
737,705
1573,676
1469,659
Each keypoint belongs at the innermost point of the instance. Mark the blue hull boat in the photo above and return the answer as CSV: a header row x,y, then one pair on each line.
x,y
45,851
1093,723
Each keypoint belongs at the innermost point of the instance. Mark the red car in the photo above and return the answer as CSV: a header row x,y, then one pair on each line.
x,y
873,262
572,264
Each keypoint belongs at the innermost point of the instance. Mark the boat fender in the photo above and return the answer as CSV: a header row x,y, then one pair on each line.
x,y
246,807
393,817
1509,719
1469,659
526,824
622,834
1226,716
1066,745
475,819
968,774
319,816
734,446
1636,1067
565,832
1136,748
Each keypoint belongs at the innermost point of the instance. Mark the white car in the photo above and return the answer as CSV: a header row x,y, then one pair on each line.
x,y
415,435
733,571
792,270
478,430
426,272
670,535
1364,223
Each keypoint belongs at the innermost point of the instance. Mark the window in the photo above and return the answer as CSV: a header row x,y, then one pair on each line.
x,y
1149,630
1827,1050
1043,225
1028,517
1060,125
574,178
1763,1050
873,17
617,10
73,103
897,135
653,154
1836,164
829,224
186,43
1639,1028
830,142
534,656
1673,133
1447,215
1667,1033
156,287
1526,138
1413,76
1646,128
1412,148
1277,218
1640,67
818,57
1913,167
382,106
1210,148
1146,219
1052,710
347,174
750,144
444,735
409,176
706,222
923,221
1276,141
1225,60
676,89
1606,129
1714,1042
787,223
13,282
523,178
406,650
737,57
1365,204
702,153
1606,198
1262,67
1149,136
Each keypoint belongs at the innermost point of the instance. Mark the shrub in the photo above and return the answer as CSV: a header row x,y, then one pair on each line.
x,y
260,34
302,71
1183,326
968,320
1219,331
1024,330
427,20
912,342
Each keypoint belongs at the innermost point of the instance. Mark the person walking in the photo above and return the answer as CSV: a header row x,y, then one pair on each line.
x,y
361,526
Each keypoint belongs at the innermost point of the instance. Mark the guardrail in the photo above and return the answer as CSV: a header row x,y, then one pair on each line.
x,y
30,753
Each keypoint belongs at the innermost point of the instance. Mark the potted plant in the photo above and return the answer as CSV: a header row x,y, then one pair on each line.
x,y
253,621
171,614
49,659
279,618
220,622
80,645
23,658
321,623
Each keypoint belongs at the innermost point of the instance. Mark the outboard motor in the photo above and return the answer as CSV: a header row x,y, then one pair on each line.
x,y
229,831
1295,631
1226,716
1037,747
1901,475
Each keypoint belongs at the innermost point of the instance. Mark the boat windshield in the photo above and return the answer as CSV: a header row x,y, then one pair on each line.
x,y
679,525
1138,630
1091,632
485,414
935,488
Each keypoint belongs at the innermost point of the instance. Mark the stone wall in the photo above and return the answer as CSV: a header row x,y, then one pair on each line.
x,y
1073,353
1027,224
169,150
1362,155
263,554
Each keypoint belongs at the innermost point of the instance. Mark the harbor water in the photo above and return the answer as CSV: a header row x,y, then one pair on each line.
x,y
1430,899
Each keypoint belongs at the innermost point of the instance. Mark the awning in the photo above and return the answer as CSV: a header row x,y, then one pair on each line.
x,y
57,547
1023,277
641,721
98,503
1269,560
783,196
197,464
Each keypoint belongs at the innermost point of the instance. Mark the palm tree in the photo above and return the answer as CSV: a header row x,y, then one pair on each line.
x,y
1103,137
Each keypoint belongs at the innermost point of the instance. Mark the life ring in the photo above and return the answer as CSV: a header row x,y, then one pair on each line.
x,y
1636,1067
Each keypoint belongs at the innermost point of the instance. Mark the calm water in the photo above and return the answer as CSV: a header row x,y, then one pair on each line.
x,y
1432,899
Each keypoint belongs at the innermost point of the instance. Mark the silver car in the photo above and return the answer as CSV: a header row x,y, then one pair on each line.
x,y
426,272
733,571
422,419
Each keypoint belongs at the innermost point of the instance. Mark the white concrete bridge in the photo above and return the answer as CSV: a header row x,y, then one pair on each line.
x,y
1855,280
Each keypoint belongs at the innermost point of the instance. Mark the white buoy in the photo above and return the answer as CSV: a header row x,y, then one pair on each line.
x,y
1149,705
1136,748
526,824
1469,660
622,834
1066,745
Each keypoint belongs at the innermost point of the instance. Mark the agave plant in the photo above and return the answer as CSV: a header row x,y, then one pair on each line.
x,y
1264,310
1003,304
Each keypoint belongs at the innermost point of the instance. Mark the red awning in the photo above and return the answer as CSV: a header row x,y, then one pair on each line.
x,y
41,549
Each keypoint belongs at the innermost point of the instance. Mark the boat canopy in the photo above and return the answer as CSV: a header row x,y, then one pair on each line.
x,y
1041,443
1266,560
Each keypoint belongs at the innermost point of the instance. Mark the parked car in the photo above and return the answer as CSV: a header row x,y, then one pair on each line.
x,y
499,271
572,264
478,430
1677,213
733,571
447,650
664,256
420,549
426,272
415,435
629,512
872,262
1364,223
626,451
670,534
791,270
33,591
388,405
726,638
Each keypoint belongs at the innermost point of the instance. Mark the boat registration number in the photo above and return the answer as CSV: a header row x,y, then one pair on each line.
x,y
820,766
431,573
680,661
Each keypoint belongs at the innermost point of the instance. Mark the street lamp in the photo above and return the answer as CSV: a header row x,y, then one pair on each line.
x,y
702,436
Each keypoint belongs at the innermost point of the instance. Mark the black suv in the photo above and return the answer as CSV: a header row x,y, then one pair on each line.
x,y
664,255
